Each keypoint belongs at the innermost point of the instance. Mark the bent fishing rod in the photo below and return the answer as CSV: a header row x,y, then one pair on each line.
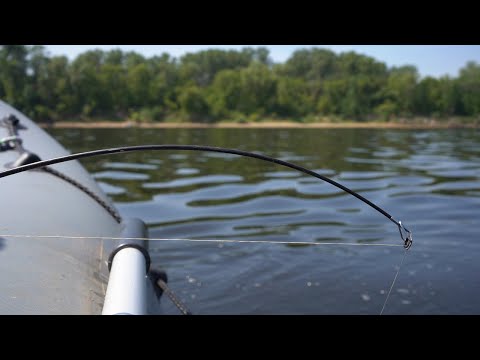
x,y
405,234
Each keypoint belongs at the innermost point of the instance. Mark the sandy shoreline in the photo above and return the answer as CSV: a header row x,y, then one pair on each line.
x,y
259,125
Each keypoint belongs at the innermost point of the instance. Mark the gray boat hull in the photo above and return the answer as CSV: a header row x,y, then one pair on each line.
x,y
57,275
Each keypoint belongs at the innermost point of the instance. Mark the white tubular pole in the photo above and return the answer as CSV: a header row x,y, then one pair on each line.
x,y
127,285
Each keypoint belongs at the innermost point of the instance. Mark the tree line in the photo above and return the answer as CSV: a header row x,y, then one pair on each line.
x,y
213,85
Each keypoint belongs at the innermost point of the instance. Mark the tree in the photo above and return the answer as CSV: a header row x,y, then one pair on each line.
x,y
427,97
224,93
312,65
469,87
138,81
54,90
258,89
248,91
90,97
164,82
333,93
293,97
201,67
193,104
13,74
113,80
399,91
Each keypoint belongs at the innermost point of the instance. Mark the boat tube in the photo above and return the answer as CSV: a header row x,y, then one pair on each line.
x,y
60,247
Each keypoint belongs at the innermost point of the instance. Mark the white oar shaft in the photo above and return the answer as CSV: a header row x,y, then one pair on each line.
x,y
127,285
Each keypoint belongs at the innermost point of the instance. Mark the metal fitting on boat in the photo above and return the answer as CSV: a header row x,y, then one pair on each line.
x,y
9,142
134,235
129,264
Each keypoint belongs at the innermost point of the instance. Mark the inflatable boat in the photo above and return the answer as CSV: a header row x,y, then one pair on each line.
x,y
64,247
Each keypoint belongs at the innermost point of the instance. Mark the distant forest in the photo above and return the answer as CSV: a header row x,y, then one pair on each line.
x,y
214,85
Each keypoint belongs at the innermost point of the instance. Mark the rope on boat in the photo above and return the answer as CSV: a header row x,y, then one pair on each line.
x,y
113,213
175,300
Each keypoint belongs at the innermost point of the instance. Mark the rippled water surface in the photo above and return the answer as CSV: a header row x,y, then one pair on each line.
x,y
427,179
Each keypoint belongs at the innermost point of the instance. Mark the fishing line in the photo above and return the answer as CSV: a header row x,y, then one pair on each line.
x,y
192,240
393,282
405,234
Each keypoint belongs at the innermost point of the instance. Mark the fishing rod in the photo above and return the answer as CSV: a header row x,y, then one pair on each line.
x,y
405,234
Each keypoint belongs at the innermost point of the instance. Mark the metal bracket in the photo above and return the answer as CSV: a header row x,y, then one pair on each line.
x,y
9,142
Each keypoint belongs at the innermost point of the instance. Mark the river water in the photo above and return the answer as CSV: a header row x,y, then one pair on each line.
x,y
428,179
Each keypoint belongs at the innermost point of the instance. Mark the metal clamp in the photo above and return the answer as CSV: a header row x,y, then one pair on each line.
x,y
9,142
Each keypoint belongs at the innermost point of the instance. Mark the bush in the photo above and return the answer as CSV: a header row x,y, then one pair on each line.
x,y
156,113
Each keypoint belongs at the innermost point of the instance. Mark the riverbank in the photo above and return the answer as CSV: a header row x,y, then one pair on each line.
x,y
431,124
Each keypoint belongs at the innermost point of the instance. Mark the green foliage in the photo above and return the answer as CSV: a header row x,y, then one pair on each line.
x,y
293,97
13,74
469,88
400,89
386,110
257,87
224,94
202,67
193,104
148,114
215,85
311,65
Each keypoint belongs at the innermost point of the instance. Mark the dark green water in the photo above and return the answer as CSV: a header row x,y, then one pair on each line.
x,y
427,179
